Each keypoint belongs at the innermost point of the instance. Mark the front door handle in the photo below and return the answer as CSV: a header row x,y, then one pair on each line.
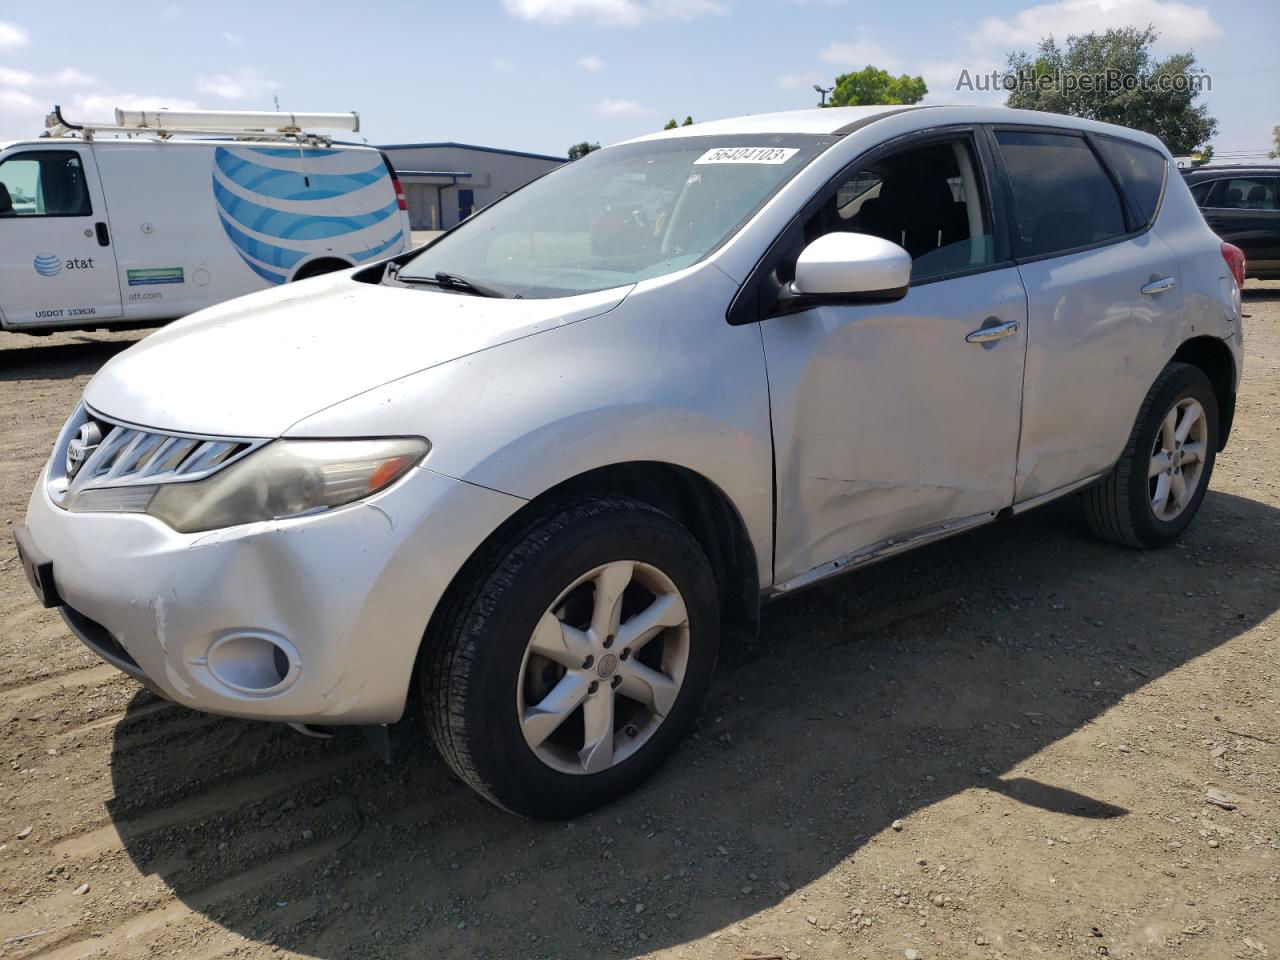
x,y
1159,286
104,238
997,331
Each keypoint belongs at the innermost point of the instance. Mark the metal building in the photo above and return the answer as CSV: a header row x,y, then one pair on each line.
x,y
445,182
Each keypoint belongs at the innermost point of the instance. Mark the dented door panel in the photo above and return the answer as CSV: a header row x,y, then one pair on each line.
x,y
886,420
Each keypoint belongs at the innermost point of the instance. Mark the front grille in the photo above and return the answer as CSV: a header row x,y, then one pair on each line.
x,y
126,455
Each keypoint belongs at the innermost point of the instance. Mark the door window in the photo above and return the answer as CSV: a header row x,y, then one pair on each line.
x,y
1244,193
1063,198
1200,192
46,183
1141,172
926,199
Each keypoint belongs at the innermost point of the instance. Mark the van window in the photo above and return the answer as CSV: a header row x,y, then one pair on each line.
x,y
1062,196
926,199
1141,171
1244,193
46,183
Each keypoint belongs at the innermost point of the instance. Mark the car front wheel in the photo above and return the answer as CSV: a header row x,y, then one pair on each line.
x,y
575,658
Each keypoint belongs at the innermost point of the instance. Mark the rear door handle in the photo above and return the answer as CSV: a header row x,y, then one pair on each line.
x,y
104,238
997,331
1159,286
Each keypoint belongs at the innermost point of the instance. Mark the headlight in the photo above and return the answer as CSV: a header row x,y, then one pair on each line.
x,y
287,478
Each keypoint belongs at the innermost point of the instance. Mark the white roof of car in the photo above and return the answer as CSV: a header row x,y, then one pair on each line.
x,y
839,120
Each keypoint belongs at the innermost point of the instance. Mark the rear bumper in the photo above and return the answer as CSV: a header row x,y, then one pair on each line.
x,y
346,595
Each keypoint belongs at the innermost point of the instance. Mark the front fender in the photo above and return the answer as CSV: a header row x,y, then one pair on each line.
x,y
660,378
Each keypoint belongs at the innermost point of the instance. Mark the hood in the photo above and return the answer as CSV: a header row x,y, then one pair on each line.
x,y
254,366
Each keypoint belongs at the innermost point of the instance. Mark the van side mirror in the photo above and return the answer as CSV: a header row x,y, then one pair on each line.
x,y
6,201
851,268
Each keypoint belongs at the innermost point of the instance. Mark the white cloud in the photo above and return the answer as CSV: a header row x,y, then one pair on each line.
x,y
622,108
70,77
247,83
591,63
15,101
16,78
235,39
860,53
801,81
501,65
12,35
612,13
1179,24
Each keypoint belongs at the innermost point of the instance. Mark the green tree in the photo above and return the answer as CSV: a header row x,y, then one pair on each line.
x,y
873,85
670,124
1114,77
1275,136
688,122
579,150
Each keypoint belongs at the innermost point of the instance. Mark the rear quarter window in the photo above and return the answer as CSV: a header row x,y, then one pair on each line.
x,y
1141,172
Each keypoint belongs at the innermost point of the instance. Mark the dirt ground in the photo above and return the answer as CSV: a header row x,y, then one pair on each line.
x,y
998,746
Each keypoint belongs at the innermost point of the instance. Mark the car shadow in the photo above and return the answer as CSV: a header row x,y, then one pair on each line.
x,y
26,358
1260,294
863,702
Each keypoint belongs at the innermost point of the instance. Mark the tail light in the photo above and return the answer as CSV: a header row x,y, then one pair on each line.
x,y
395,182
1235,261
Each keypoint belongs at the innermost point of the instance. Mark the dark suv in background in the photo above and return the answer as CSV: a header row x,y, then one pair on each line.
x,y
1240,204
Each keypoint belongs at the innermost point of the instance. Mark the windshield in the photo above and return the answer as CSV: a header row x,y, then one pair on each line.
x,y
617,216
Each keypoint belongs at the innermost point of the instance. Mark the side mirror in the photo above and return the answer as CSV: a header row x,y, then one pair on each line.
x,y
6,202
852,267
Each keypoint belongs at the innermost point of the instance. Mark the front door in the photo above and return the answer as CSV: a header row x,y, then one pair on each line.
x,y
892,420
57,265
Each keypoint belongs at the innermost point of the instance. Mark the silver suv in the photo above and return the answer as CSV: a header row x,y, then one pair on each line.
x,y
535,471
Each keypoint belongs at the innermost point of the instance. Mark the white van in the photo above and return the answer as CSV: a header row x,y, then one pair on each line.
x,y
161,221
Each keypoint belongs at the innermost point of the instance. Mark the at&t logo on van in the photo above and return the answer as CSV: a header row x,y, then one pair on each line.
x,y
48,264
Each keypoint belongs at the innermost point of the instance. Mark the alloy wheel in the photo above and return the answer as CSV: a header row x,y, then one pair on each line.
x,y
603,668
1178,458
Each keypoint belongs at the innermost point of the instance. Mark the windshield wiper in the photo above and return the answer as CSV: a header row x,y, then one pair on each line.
x,y
451,281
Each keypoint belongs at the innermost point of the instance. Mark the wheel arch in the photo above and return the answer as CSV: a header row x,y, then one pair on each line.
x,y
320,265
684,494
1213,358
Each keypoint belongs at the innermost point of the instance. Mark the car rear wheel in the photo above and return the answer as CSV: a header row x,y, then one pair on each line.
x,y
1153,492
576,658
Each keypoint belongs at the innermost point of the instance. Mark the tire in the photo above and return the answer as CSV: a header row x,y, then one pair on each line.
x,y
483,672
1119,508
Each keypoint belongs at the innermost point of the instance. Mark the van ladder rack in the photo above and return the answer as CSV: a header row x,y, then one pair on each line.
x,y
56,125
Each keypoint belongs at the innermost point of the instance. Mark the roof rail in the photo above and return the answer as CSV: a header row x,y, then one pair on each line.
x,y
236,125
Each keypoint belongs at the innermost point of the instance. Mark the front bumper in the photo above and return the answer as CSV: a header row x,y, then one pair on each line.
x,y
346,595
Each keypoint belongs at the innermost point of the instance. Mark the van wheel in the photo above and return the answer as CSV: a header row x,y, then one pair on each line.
x,y
1153,492
320,267
576,658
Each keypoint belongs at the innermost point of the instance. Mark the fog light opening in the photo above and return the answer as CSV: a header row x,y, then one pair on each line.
x,y
253,663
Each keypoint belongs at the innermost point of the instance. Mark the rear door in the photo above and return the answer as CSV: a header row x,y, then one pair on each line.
x,y
1102,293
57,265
1244,211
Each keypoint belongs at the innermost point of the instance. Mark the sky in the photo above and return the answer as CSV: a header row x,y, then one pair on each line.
x,y
539,75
